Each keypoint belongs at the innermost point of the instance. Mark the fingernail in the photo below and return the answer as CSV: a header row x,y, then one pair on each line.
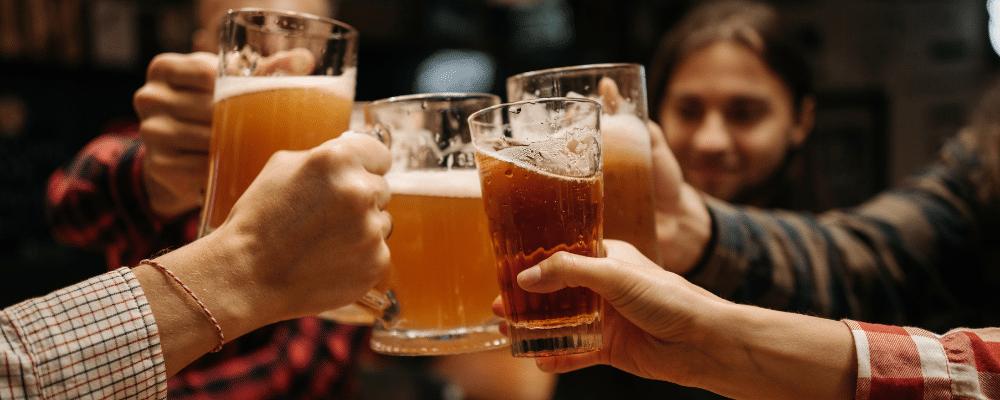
x,y
529,277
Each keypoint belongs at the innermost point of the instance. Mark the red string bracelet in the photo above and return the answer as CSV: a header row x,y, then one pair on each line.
x,y
218,328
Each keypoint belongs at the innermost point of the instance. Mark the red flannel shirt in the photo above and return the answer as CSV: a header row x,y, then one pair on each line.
x,y
911,363
98,202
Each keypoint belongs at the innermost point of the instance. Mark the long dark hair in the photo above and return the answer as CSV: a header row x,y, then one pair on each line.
x,y
756,25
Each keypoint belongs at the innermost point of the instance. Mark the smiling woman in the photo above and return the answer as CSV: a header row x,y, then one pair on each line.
x,y
734,97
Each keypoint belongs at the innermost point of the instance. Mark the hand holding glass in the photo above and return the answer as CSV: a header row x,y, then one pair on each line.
x,y
286,82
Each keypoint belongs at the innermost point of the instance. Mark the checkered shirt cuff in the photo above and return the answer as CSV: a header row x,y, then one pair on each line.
x,y
95,339
910,363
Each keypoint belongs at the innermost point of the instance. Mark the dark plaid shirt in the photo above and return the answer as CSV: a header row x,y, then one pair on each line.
x,y
98,202
926,253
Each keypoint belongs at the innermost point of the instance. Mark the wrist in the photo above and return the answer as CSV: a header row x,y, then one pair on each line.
x,y
194,297
684,233
216,268
164,202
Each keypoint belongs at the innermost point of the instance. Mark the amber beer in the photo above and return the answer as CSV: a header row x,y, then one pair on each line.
x,y
255,117
628,191
629,209
533,215
443,266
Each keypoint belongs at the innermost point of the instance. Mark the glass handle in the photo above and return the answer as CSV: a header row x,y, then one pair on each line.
x,y
378,132
382,305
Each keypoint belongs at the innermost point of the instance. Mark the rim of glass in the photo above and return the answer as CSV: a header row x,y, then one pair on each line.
x,y
476,115
349,32
438,96
574,68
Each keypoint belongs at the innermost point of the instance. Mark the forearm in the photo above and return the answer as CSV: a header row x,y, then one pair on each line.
x,y
756,353
186,332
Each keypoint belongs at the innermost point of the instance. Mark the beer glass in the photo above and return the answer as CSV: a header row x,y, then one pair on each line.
x,y
443,272
628,184
285,82
539,165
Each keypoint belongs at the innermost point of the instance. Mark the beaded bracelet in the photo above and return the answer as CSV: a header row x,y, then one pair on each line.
x,y
218,328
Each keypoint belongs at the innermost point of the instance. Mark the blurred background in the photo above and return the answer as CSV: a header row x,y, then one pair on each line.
x,y
894,77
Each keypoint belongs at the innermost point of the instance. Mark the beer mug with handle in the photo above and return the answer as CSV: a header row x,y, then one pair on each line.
x,y
285,82
443,273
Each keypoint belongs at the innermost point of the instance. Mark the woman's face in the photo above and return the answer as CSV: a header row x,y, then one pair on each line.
x,y
730,120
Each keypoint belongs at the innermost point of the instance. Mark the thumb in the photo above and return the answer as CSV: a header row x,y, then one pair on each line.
x,y
608,90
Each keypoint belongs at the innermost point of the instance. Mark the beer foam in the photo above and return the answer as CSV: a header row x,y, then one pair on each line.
x,y
341,86
550,158
625,131
436,183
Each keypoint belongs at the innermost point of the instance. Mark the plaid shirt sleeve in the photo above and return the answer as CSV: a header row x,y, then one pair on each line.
x,y
98,202
919,254
910,363
95,339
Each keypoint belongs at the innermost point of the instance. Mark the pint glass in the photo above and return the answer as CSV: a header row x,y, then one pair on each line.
x,y
628,185
443,274
539,165
285,82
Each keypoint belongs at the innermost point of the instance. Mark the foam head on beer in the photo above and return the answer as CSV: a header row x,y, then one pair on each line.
x,y
569,153
436,183
340,86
